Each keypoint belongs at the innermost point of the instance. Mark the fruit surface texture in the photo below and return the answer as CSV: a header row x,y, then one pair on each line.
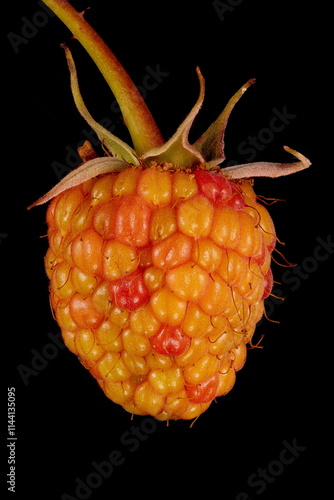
x,y
159,257
157,280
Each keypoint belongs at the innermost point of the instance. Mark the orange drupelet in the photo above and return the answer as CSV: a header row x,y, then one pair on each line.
x,y
157,280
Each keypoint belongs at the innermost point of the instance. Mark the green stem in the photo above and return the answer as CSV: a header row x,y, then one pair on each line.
x,y
137,117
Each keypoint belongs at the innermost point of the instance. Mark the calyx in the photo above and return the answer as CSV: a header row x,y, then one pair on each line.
x,y
207,151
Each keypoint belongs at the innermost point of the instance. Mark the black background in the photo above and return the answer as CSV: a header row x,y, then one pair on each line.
x,y
63,420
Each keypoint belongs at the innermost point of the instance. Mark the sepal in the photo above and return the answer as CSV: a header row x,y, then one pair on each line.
x,y
86,171
116,146
211,144
265,169
177,150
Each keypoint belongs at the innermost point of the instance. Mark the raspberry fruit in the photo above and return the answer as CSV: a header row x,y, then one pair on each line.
x,y
158,260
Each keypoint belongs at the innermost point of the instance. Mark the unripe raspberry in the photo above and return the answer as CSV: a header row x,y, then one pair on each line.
x,y
189,303
159,259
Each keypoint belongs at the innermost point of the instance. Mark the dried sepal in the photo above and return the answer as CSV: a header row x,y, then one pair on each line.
x,y
83,173
211,144
265,169
177,150
116,146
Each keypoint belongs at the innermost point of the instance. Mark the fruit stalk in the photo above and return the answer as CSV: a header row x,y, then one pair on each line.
x,y
137,117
